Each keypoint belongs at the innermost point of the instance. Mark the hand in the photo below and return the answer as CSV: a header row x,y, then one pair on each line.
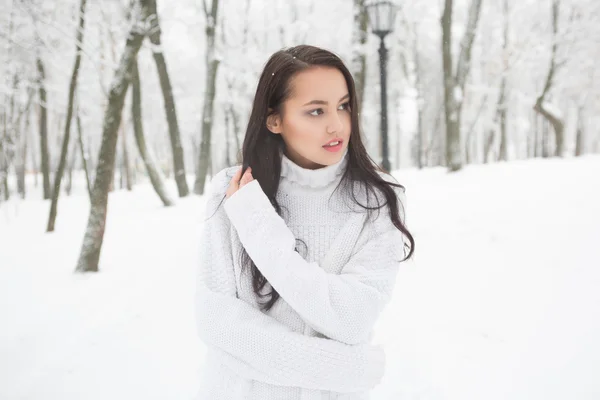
x,y
234,186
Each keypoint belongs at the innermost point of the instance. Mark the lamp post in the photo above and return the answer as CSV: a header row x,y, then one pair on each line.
x,y
381,18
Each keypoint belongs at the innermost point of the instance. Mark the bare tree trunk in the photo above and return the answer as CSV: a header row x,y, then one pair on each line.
x,y
4,175
22,159
44,128
5,116
398,132
65,144
557,125
502,104
540,105
536,141
34,163
5,188
121,169
487,146
4,158
452,111
420,101
118,159
94,235
500,121
136,112
501,112
20,140
454,84
69,184
580,134
212,65
227,141
111,186
167,162
359,58
545,142
84,154
169,103
579,138
421,137
230,112
433,147
126,168
196,152
236,129
471,131
530,137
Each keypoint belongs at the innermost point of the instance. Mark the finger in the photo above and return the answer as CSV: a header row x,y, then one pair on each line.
x,y
236,178
247,177
238,174
244,179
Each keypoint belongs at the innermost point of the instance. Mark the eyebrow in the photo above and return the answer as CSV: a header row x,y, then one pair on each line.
x,y
347,96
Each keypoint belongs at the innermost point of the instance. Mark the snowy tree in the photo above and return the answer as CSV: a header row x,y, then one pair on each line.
x,y
138,127
92,243
454,79
69,113
212,65
169,102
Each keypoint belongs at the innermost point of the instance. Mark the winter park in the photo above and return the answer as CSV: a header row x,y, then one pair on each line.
x,y
117,119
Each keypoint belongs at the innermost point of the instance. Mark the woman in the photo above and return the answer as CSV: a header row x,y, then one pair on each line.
x,y
282,321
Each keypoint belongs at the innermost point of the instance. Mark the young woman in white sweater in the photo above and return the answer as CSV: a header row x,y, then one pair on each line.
x,y
301,244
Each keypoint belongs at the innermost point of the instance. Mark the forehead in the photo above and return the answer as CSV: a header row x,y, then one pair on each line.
x,y
318,83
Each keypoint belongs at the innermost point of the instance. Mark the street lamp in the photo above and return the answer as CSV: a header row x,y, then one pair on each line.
x,y
381,18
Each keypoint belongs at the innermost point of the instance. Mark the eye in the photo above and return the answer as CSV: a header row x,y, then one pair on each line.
x,y
319,111
346,106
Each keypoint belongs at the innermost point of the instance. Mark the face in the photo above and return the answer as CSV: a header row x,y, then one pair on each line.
x,y
317,111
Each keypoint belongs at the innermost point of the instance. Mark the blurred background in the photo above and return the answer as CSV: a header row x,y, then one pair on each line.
x,y
114,116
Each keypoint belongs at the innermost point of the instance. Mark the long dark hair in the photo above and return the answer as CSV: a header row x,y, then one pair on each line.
x,y
261,148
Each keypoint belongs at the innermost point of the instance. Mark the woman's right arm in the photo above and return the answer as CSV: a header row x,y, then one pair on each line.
x,y
256,345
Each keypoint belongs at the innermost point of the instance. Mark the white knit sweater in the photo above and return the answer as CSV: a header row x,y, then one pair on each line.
x,y
314,342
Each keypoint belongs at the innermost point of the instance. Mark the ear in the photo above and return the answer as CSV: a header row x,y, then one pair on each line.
x,y
274,123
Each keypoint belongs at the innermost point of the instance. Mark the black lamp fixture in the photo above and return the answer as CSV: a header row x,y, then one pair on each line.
x,y
381,19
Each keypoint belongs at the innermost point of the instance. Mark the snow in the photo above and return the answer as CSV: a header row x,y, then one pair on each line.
x,y
500,302
553,110
458,95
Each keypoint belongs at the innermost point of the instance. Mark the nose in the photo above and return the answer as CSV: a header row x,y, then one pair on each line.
x,y
335,124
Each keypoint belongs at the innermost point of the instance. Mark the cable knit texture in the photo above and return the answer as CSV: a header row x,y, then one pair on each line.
x,y
314,343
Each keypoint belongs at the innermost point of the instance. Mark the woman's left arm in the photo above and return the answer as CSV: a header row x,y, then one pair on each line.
x,y
343,307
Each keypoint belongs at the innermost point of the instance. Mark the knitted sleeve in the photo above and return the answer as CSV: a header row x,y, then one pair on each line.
x,y
256,345
341,306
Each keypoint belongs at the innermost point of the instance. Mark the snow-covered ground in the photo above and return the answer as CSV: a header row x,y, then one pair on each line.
x,y
502,299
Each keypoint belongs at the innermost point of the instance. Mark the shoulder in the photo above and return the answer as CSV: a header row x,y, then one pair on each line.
x,y
379,222
220,182
216,192
400,192
372,195
390,178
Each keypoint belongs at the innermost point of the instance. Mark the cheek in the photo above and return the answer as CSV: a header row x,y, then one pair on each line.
x,y
347,120
302,128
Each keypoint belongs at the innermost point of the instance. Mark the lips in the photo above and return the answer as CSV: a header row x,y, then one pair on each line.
x,y
332,141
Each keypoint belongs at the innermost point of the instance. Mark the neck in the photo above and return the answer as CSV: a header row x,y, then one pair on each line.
x,y
314,178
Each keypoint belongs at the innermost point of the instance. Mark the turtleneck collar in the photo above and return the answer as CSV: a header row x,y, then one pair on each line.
x,y
312,177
